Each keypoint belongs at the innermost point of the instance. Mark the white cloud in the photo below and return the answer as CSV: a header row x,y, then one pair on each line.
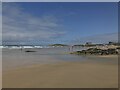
x,y
22,26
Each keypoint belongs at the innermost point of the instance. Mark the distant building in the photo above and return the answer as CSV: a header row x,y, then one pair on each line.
x,y
88,43
111,43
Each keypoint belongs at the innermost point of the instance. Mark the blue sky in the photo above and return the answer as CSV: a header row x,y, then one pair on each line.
x,y
47,23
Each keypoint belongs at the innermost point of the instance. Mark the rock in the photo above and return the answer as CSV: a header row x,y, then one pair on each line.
x,y
30,51
96,51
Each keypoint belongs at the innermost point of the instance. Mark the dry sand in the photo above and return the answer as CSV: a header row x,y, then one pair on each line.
x,y
63,75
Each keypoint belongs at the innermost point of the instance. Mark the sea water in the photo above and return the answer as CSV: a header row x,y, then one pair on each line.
x,y
14,58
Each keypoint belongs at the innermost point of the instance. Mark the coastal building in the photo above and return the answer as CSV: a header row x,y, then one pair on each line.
x,y
88,43
112,43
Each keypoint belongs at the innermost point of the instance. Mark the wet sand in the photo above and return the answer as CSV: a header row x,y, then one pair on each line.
x,y
108,56
63,75
96,72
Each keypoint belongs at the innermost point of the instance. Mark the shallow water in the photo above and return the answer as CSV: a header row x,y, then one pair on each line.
x,y
12,58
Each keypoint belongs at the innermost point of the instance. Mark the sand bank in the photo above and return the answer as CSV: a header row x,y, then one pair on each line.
x,y
108,56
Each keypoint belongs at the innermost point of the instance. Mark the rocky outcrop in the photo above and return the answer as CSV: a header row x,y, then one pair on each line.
x,y
95,51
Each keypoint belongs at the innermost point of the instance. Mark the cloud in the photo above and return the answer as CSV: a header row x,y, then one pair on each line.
x,y
21,26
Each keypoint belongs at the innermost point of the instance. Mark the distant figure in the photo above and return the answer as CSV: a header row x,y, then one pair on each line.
x,y
21,48
71,48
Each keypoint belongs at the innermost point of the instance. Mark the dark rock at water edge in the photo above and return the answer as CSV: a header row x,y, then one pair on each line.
x,y
30,51
95,51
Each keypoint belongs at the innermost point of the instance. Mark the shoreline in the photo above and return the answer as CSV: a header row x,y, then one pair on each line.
x,y
108,56
41,64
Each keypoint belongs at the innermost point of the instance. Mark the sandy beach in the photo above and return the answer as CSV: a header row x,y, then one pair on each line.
x,y
63,75
58,71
